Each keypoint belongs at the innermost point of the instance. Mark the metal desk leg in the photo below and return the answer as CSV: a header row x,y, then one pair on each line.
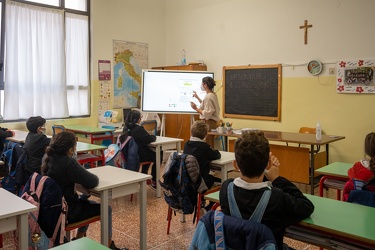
x,y
312,164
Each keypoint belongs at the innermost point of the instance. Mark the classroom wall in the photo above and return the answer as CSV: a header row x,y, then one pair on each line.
x,y
241,32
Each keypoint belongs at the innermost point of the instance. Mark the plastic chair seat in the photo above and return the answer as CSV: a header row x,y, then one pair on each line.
x,y
88,158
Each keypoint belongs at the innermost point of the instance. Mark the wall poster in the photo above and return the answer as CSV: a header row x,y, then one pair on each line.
x,y
355,76
129,60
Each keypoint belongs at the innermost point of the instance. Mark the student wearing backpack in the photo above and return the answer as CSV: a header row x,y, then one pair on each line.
x,y
287,205
142,138
197,147
60,165
363,171
35,144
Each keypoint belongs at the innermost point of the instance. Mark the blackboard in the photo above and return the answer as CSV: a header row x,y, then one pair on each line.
x,y
252,92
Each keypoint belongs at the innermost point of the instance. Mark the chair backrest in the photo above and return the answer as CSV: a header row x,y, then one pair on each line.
x,y
151,126
108,142
57,129
307,130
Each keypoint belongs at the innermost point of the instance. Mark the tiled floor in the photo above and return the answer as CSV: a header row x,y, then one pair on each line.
x,y
126,226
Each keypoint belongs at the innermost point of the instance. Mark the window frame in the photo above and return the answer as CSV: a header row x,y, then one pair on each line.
x,y
66,10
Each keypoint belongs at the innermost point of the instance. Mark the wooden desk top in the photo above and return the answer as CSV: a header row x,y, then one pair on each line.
x,y
291,137
337,169
332,216
82,243
12,205
87,129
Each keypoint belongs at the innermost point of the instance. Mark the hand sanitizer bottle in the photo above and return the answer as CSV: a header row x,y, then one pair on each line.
x,y
318,134
183,57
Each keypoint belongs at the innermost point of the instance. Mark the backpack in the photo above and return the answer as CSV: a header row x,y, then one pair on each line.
x,y
46,224
123,155
182,182
12,152
218,231
360,195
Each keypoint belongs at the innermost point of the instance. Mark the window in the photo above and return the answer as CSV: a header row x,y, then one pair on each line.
x,y
46,62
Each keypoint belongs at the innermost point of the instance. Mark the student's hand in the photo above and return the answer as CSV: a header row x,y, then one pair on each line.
x,y
272,170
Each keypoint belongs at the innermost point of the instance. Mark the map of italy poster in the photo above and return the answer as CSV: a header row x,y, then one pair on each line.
x,y
129,60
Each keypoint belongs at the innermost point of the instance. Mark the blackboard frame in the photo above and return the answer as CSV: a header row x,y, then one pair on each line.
x,y
262,77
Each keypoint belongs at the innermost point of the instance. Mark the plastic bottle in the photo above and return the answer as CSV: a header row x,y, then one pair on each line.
x,y
318,134
183,57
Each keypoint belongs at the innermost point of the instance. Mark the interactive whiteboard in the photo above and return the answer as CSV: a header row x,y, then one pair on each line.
x,y
171,91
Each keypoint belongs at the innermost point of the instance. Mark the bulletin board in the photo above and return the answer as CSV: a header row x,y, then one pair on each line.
x,y
252,92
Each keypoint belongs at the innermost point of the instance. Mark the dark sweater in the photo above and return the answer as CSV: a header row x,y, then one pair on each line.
x,y
4,134
143,138
204,155
35,145
66,171
287,205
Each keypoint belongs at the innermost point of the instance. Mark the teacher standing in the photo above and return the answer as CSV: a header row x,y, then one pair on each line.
x,y
209,110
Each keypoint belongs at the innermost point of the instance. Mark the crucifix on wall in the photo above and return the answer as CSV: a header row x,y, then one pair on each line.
x,y
305,26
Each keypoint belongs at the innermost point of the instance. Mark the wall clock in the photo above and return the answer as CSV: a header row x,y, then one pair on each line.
x,y
314,67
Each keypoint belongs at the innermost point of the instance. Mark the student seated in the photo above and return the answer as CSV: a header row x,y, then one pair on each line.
x,y
287,205
4,133
35,144
202,151
142,138
363,171
60,165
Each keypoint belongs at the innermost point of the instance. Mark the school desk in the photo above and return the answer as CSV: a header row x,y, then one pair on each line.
x,y
19,136
334,176
224,164
80,244
13,211
295,161
117,182
86,153
334,223
163,143
95,133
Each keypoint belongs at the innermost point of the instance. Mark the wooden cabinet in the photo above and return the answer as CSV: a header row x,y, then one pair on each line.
x,y
178,125
195,67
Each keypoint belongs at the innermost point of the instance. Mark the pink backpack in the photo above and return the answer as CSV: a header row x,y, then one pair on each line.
x,y
37,238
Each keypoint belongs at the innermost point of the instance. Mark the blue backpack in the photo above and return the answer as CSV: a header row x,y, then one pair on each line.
x,y
123,155
361,195
180,192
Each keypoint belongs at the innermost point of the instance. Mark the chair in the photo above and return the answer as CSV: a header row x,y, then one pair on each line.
x,y
150,126
76,225
57,129
107,142
221,138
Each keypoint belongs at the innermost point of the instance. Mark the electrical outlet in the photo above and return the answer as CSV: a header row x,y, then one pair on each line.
x,y
332,71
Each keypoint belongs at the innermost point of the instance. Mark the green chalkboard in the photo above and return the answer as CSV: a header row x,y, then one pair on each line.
x,y
252,92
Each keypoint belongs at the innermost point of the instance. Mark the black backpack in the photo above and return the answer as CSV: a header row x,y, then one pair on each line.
x,y
181,183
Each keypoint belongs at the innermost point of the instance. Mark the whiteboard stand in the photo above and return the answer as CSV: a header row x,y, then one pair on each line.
x,y
192,120
162,128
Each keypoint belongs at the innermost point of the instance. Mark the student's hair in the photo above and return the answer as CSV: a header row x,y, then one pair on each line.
x,y
252,151
199,129
370,151
34,122
130,122
209,81
60,145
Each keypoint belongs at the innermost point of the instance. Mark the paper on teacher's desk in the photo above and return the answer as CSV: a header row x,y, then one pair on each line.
x,y
237,131
249,129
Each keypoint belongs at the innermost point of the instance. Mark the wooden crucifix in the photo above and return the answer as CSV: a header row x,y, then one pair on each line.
x,y
305,26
